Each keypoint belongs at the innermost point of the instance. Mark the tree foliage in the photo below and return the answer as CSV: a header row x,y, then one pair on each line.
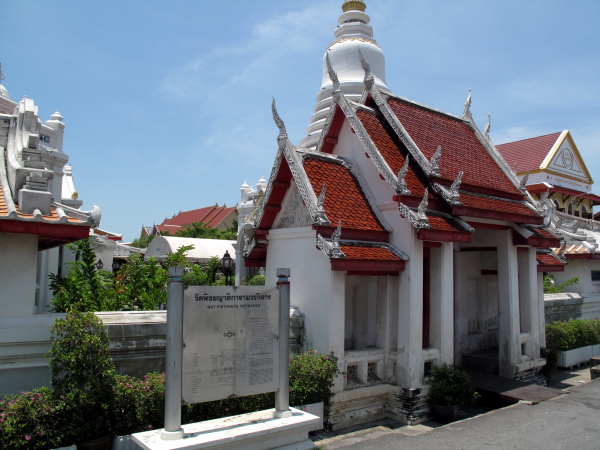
x,y
142,242
83,373
551,288
201,230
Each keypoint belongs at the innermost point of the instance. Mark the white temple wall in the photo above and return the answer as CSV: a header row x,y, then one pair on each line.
x,y
581,268
312,285
476,303
352,148
18,259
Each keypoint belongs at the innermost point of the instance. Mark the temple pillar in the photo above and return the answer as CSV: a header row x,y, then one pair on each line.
x,y
508,305
442,301
529,301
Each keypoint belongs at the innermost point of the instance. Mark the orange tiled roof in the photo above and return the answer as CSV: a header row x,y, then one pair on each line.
x,y
495,204
392,150
546,259
210,215
368,252
529,154
444,223
52,217
344,199
542,233
461,149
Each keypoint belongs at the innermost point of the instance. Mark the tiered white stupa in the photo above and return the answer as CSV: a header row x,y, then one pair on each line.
x,y
352,33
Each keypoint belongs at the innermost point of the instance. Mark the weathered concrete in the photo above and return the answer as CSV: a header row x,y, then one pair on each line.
x,y
568,306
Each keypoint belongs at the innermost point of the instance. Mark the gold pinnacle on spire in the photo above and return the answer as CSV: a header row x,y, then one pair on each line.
x,y
354,5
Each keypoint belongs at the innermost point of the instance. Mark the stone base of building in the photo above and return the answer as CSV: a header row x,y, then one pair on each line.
x,y
366,404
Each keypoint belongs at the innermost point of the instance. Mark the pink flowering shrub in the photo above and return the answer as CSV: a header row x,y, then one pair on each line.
x,y
34,420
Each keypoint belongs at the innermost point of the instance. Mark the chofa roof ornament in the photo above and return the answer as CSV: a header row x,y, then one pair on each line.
x,y
282,139
486,130
467,110
321,199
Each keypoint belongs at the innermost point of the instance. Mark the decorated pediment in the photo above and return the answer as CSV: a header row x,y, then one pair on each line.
x,y
564,159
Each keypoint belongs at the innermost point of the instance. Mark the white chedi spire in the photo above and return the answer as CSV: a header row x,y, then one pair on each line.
x,y
3,91
352,33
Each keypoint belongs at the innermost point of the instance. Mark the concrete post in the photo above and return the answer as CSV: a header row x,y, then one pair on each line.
x,y
174,360
282,396
410,320
442,301
508,305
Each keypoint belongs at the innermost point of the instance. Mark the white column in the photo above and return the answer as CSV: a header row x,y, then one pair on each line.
x,y
336,322
528,300
508,305
410,320
541,308
442,301
240,263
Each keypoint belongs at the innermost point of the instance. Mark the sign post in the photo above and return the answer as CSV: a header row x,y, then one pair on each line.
x,y
174,359
282,396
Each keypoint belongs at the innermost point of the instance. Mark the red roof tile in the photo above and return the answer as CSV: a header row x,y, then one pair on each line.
x,y
528,153
444,224
53,216
344,198
461,149
542,233
210,215
366,252
496,204
548,260
392,150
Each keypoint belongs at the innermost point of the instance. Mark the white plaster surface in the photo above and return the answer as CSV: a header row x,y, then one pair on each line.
x,y
252,431
18,262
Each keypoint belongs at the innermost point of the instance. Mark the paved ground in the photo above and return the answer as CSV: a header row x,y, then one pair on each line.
x,y
571,421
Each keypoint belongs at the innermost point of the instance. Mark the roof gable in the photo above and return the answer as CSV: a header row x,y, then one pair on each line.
x,y
528,154
565,159
461,148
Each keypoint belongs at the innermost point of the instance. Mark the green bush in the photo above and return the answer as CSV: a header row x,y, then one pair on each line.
x,y
47,420
256,280
563,336
83,373
451,386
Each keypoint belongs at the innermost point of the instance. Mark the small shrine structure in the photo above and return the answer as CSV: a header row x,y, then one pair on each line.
x,y
410,239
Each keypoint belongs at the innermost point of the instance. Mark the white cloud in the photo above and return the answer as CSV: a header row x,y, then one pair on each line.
x,y
278,37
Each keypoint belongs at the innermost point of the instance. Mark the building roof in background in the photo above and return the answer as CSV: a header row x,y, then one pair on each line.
x,y
213,216
203,249
528,154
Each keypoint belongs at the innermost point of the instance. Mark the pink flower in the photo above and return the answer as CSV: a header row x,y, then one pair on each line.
x,y
27,437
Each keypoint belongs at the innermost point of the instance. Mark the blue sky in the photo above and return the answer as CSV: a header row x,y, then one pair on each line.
x,y
167,104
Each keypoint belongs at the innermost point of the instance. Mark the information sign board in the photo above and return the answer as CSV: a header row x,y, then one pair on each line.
x,y
230,342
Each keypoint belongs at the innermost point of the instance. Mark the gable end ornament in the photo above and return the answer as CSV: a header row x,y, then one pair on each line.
x,y
452,195
369,80
334,79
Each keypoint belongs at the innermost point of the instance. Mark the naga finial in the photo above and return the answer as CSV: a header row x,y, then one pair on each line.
x,y
402,188
435,162
321,199
423,207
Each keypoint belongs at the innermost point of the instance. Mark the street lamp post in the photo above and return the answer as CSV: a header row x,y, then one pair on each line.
x,y
227,267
